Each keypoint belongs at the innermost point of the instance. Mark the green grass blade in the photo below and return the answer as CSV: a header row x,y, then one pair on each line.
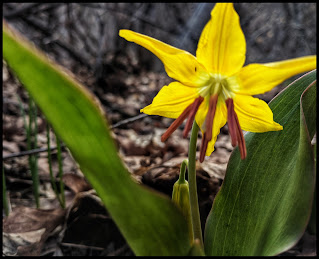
x,y
32,144
62,196
149,221
4,193
30,132
265,201
52,179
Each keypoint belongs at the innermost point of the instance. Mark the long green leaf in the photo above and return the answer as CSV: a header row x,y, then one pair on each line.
x,y
149,221
265,201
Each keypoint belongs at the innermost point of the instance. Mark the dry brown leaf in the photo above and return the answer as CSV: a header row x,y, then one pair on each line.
x,y
89,223
9,148
76,183
26,229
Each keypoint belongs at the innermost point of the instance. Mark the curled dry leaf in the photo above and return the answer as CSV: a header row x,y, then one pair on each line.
x,y
76,183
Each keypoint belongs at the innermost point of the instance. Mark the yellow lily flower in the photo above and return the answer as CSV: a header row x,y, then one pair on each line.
x,y
214,87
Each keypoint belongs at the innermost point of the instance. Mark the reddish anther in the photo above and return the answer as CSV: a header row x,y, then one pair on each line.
x,y
176,123
189,112
209,126
203,148
241,140
231,121
192,114
235,130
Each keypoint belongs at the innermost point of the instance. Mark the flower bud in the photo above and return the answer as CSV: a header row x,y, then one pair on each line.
x,y
180,197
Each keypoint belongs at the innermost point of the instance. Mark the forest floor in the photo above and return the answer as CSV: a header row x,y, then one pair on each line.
x,y
85,227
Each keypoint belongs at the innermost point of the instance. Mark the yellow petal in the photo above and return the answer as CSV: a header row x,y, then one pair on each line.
x,y
260,78
222,46
171,100
220,119
254,114
179,64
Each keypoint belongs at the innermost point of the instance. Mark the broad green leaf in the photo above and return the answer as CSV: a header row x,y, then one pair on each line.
x,y
265,201
149,221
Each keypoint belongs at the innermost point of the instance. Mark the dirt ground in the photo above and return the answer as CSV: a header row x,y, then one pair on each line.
x,y
125,79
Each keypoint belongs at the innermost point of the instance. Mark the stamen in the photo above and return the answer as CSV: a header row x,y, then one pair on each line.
x,y
191,116
210,116
203,148
209,126
235,130
231,121
176,123
241,139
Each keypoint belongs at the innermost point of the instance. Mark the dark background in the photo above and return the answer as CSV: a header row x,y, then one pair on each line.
x,y
79,34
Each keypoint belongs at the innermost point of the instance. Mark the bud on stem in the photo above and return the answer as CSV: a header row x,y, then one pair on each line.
x,y
180,197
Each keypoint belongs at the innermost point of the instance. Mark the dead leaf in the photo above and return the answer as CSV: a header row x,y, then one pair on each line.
x,y
76,183
215,165
161,178
89,223
26,229
9,147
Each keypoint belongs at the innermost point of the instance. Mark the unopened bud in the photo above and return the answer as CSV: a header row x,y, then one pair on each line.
x,y
180,197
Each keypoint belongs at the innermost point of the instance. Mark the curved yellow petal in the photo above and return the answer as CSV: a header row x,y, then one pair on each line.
x,y
222,45
179,64
254,114
171,100
220,119
201,113
260,78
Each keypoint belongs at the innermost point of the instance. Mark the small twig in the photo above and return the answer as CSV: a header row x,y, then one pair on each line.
x,y
40,150
120,123
80,246
28,152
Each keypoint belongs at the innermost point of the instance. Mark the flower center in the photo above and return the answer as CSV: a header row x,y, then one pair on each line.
x,y
217,85
217,88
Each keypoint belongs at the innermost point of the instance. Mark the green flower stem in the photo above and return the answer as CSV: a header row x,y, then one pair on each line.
x,y
192,185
